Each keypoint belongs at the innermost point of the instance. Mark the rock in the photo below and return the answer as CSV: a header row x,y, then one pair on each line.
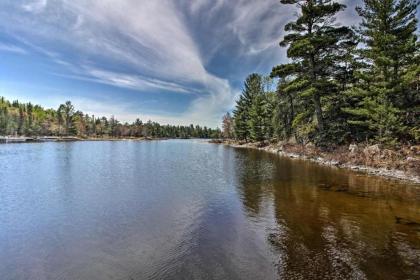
x,y
292,140
216,141
372,151
414,149
310,145
388,154
262,144
353,148
292,155
403,221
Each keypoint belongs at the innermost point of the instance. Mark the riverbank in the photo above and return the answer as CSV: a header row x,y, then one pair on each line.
x,y
41,139
402,164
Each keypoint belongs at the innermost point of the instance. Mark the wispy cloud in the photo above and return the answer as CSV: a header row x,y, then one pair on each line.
x,y
12,48
153,46
123,112
135,82
35,6
147,44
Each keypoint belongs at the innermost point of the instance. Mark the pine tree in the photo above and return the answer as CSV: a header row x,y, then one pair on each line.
x,y
3,120
258,118
317,48
270,108
20,129
65,114
253,86
284,111
29,119
381,103
411,81
240,115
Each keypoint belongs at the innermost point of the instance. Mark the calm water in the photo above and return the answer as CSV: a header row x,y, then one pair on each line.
x,y
192,210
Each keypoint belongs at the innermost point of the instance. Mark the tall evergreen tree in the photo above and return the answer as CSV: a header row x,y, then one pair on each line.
x,y
253,87
68,117
270,108
316,46
285,108
258,118
29,119
4,119
382,101
21,121
240,117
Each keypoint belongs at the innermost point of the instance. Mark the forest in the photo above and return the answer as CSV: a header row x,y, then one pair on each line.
x,y
341,84
26,119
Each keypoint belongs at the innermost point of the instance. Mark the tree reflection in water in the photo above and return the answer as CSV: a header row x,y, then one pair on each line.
x,y
330,223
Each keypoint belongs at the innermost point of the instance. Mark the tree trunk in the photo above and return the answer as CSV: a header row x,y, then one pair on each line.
x,y
291,117
318,112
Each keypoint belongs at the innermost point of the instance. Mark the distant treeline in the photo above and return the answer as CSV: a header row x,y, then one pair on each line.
x,y
341,84
33,120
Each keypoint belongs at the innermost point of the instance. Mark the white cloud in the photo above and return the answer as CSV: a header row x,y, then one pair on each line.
x,y
147,45
349,16
12,49
258,25
212,106
147,39
136,82
123,111
35,6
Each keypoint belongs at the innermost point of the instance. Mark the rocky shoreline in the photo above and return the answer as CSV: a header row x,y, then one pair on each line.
x,y
402,164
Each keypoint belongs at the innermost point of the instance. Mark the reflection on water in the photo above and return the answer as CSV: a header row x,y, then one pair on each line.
x,y
333,224
192,210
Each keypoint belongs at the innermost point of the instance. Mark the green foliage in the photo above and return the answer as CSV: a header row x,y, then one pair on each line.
x,y
29,120
340,85
258,118
382,103
253,115
319,50
241,119
253,87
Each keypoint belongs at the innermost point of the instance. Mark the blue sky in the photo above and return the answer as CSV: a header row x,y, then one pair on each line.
x,y
172,61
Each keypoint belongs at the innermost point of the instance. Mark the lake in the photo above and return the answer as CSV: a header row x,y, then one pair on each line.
x,y
186,209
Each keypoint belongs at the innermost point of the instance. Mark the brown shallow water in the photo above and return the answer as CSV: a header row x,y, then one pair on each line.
x,y
192,210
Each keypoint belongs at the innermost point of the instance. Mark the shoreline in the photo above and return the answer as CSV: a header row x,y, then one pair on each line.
x,y
344,158
334,159
47,139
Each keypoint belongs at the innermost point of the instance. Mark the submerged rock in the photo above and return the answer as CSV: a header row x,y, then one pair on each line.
x,y
407,222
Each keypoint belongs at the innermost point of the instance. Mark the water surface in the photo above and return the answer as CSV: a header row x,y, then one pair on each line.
x,y
191,210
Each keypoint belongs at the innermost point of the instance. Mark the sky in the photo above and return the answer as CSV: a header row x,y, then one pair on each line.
x,y
171,61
